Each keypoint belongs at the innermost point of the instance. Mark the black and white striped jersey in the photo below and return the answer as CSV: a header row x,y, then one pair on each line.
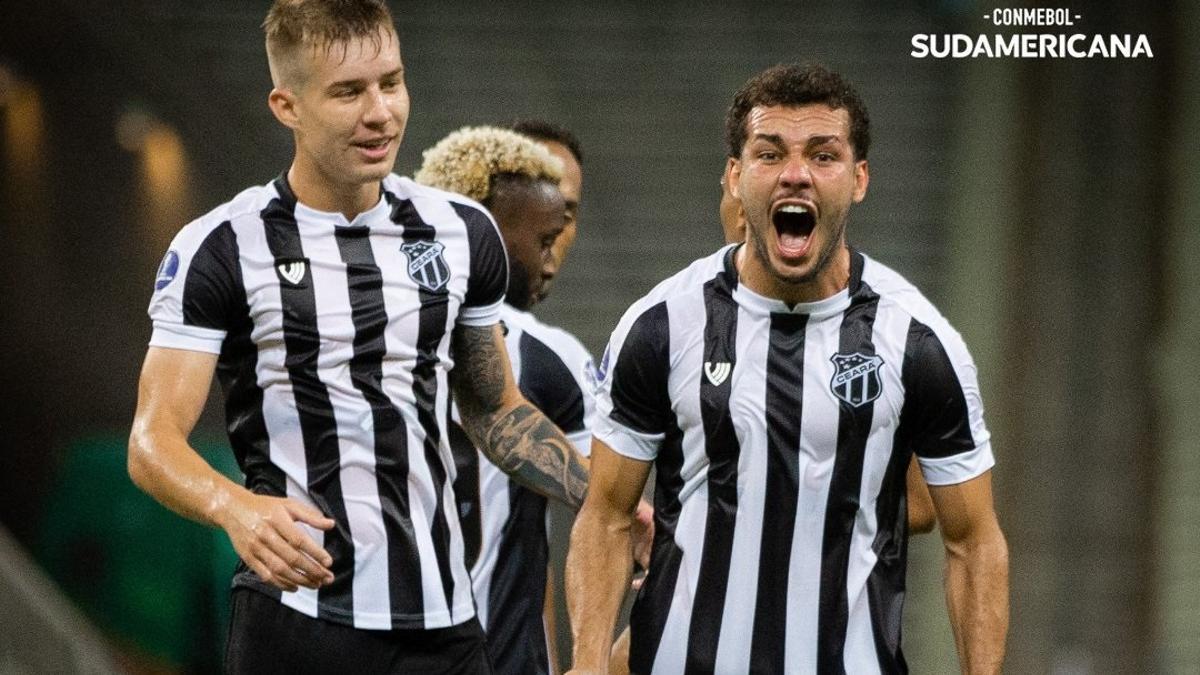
x,y
781,438
334,343
503,523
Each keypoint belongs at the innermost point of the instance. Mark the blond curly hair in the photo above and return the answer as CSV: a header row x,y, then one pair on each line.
x,y
469,160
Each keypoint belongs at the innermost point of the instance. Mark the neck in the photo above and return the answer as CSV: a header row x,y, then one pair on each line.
x,y
317,191
829,278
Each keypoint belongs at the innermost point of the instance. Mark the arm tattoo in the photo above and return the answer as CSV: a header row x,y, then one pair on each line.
x,y
520,440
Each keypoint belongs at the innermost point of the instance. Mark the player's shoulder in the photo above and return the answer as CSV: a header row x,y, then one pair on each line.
x,y
247,204
568,347
892,287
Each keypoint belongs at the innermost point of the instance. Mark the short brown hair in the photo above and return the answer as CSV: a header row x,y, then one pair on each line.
x,y
795,85
292,24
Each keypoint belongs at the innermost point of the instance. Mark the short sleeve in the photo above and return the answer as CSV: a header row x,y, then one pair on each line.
x,y
488,278
557,387
943,411
197,289
633,407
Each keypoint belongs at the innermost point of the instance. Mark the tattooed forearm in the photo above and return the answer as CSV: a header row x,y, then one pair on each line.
x,y
479,373
512,433
527,446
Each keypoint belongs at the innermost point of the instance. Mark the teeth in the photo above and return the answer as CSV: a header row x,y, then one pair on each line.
x,y
793,208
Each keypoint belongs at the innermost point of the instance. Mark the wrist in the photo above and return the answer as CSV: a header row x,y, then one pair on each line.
x,y
217,506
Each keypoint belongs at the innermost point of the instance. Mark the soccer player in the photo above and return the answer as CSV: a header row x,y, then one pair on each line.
x,y
339,305
504,525
921,518
780,387
565,146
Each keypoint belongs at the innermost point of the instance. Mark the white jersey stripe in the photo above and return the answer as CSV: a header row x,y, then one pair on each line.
x,y
746,402
818,442
355,425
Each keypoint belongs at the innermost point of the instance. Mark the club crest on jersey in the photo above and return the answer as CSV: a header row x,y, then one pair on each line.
x,y
166,270
292,271
426,264
717,371
856,378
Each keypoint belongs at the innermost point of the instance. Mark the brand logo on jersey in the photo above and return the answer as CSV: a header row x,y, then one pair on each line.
x,y
856,378
717,371
166,270
426,264
292,271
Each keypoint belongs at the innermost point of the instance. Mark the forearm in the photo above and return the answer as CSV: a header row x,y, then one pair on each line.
x,y
174,474
523,443
598,572
977,599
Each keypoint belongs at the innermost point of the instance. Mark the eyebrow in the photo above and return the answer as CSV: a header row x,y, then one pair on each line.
x,y
814,141
359,81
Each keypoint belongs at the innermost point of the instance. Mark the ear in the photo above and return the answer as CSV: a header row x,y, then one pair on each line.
x,y
283,105
862,176
733,172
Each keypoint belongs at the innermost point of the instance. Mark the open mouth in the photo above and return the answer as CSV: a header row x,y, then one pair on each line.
x,y
794,225
378,146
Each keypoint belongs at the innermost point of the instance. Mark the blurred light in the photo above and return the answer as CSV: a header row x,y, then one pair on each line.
x,y
24,125
165,183
163,163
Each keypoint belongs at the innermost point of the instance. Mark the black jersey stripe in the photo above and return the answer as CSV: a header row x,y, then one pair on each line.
x,y
317,423
854,426
431,328
237,371
722,448
218,259
886,583
784,408
549,384
369,315
467,494
649,614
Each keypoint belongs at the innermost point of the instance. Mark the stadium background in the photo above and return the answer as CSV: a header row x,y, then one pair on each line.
x,y
1047,206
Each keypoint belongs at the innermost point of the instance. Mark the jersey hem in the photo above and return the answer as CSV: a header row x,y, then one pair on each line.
x,y
626,442
958,468
427,621
191,338
483,315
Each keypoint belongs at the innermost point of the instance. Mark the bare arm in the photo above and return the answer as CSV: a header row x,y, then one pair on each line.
x,y
921,518
599,562
976,572
171,394
513,434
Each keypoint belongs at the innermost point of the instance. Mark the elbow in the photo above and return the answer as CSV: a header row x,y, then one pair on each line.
x,y
137,461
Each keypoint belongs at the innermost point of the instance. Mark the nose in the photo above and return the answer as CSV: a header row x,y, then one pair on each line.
x,y
376,112
549,265
795,173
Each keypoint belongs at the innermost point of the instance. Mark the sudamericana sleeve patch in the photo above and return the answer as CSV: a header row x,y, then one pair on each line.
x,y
167,270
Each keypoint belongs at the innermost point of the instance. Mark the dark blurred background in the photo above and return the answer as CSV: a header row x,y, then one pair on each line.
x,y
1048,207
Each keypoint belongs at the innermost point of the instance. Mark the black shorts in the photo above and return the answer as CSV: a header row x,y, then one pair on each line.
x,y
266,636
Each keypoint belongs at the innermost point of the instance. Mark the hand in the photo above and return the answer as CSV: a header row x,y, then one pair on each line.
x,y
264,533
643,533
